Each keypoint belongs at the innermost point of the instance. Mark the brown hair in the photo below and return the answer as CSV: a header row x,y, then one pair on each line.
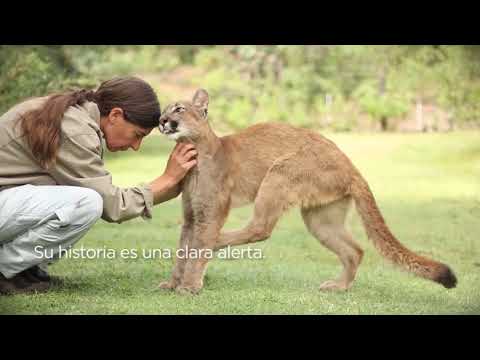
x,y
42,127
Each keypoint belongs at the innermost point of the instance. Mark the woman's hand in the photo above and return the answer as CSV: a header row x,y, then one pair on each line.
x,y
181,160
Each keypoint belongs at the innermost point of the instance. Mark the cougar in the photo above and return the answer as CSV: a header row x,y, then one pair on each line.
x,y
276,166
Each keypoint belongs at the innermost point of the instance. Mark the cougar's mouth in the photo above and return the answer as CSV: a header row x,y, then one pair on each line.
x,y
169,132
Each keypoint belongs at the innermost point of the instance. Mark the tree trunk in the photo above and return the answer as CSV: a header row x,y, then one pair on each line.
x,y
382,85
384,123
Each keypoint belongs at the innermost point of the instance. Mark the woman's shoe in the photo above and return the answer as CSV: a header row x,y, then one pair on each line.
x,y
19,284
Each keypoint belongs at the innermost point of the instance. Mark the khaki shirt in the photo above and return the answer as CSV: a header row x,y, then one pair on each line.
x,y
79,161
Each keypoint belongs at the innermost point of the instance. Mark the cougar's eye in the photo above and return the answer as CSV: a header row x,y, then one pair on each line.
x,y
178,110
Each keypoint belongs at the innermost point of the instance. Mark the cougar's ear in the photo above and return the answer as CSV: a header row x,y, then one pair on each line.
x,y
200,101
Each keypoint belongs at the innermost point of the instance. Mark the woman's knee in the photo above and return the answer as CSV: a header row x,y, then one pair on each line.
x,y
92,205
86,209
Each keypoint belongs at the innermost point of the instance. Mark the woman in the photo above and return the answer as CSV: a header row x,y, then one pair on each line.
x,y
53,183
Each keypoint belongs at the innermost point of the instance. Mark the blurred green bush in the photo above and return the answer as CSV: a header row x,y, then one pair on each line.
x,y
317,86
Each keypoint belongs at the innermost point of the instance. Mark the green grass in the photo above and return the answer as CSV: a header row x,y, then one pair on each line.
x,y
427,186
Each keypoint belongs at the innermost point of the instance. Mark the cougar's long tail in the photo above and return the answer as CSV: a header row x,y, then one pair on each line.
x,y
386,243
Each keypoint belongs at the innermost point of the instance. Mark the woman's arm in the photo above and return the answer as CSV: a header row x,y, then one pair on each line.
x,y
79,163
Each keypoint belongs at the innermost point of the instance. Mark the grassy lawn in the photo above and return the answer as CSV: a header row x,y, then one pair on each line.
x,y
427,186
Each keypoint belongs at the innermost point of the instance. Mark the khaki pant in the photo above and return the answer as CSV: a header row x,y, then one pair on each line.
x,y
38,221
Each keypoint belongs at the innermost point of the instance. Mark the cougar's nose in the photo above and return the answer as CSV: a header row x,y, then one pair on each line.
x,y
163,120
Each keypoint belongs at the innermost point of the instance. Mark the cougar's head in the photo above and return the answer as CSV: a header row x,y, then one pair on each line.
x,y
186,119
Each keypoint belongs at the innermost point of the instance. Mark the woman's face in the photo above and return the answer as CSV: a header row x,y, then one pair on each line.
x,y
121,135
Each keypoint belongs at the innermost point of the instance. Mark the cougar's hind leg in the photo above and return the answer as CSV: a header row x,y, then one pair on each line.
x,y
327,224
275,196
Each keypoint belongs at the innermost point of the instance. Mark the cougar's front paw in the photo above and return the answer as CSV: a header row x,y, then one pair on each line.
x,y
334,285
187,290
167,285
